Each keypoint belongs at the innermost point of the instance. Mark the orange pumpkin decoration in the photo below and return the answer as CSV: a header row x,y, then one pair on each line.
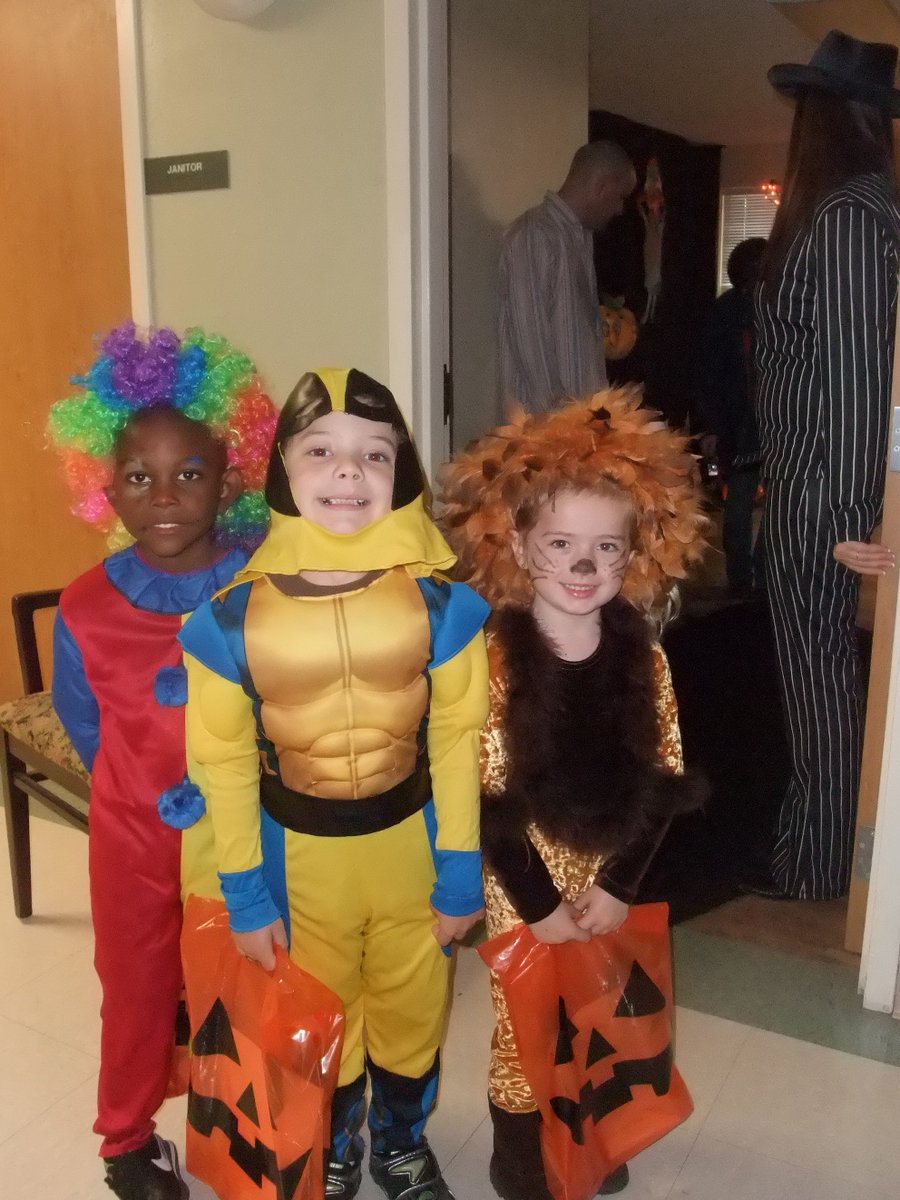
x,y
620,328
593,1024
265,1056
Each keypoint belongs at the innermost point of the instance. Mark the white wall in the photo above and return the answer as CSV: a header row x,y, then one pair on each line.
x,y
290,263
750,166
518,111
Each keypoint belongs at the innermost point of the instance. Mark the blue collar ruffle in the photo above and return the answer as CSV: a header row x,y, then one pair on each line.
x,y
157,591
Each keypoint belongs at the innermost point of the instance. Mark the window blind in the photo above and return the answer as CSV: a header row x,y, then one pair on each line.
x,y
741,215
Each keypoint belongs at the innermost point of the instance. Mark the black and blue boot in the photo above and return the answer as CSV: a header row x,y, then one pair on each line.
x,y
343,1168
401,1162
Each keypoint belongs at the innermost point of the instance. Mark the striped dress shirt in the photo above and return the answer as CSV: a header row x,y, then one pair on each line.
x,y
825,336
550,339
825,342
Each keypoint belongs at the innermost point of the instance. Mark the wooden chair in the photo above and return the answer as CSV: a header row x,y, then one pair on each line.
x,y
36,751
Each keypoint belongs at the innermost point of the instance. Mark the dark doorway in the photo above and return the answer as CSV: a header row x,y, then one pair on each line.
x,y
664,359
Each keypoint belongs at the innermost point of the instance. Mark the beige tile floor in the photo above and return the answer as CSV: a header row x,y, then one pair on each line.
x,y
775,1118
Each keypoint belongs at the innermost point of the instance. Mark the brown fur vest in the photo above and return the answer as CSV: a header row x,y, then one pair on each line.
x,y
582,740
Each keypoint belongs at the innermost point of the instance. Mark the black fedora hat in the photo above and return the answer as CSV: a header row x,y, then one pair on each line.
x,y
847,67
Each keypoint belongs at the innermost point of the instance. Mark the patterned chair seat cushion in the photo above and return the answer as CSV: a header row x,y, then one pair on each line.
x,y
33,720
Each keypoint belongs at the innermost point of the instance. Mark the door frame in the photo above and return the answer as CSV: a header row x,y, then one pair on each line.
x,y
880,965
131,104
879,802
418,211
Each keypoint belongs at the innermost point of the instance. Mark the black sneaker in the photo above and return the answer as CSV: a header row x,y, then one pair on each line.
x,y
510,1184
148,1173
342,1179
616,1181
511,1188
409,1174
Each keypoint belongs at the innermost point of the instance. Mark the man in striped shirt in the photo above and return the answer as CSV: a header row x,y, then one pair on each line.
x,y
550,338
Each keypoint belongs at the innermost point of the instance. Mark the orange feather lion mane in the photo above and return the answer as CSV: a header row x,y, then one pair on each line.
x,y
496,484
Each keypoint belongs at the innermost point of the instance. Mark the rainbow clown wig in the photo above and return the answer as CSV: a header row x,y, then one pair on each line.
x,y
201,375
495,487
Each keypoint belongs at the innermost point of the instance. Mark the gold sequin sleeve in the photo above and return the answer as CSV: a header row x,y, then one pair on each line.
x,y
667,713
493,743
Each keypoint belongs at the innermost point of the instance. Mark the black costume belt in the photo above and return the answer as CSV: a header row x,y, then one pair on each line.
x,y
345,818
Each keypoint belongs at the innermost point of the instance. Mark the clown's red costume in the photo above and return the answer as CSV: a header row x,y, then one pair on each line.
x,y
163,445
119,687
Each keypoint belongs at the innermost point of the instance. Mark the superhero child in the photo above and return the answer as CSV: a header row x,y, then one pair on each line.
x,y
573,524
164,437
337,690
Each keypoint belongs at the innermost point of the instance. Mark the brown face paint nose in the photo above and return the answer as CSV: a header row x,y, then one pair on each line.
x,y
584,566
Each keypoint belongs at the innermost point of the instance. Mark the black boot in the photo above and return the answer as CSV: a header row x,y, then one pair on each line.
x,y
517,1166
616,1181
517,1169
148,1173
400,1106
401,1161
343,1166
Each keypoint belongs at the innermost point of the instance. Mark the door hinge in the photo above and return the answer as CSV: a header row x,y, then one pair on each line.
x,y
862,861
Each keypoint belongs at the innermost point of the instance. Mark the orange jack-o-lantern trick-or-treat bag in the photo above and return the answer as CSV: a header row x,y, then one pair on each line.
x,y
593,1024
265,1052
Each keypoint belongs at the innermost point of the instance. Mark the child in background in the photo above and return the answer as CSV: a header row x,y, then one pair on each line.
x,y
170,436
342,665
573,525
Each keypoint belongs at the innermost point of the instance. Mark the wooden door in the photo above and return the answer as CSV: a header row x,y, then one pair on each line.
x,y
877,707
64,270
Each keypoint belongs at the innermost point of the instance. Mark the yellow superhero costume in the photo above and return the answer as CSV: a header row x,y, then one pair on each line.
x,y
337,731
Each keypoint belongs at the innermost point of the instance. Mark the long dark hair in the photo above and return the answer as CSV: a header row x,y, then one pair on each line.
x,y
832,141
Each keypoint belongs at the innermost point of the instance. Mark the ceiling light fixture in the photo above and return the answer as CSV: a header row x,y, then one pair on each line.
x,y
234,10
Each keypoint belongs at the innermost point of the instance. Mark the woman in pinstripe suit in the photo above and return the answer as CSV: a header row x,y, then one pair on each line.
x,y
825,327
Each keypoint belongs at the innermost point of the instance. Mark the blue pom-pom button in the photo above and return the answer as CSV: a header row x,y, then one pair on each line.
x,y
181,805
170,686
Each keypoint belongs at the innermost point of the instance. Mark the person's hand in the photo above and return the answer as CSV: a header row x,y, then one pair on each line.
x,y
598,911
259,944
449,929
561,926
865,558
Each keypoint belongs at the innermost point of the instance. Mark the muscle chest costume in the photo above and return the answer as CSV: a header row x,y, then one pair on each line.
x,y
338,733
580,766
119,687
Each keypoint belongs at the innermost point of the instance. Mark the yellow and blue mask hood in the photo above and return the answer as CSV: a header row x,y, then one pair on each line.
x,y
406,536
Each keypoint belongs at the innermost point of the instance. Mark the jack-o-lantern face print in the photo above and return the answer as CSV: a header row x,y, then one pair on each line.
x,y
592,1024
610,1085
251,1095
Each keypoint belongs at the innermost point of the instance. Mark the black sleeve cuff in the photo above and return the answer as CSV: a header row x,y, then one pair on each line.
x,y
621,875
524,877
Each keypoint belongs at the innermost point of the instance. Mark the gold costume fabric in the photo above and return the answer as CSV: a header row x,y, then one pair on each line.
x,y
343,684
572,873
